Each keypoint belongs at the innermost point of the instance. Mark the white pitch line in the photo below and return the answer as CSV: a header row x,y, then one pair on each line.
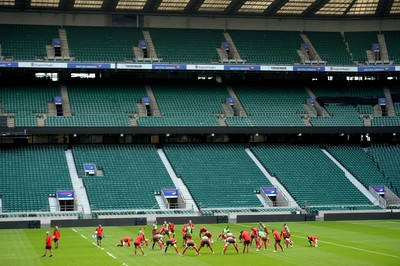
x,y
84,236
111,255
344,246
355,248
73,229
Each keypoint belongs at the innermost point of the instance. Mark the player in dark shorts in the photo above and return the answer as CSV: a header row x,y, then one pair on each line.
x,y
230,240
125,241
264,239
171,230
56,236
49,244
157,238
205,241
312,240
202,231
139,243
191,245
277,238
246,239
184,230
171,242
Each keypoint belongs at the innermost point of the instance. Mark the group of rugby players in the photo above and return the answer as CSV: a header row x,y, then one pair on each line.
x,y
259,234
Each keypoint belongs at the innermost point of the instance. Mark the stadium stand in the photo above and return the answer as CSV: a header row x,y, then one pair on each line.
x,y
330,47
132,176
100,104
218,176
270,106
189,104
267,47
26,102
359,164
315,186
359,43
187,45
26,183
103,44
387,158
392,39
26,42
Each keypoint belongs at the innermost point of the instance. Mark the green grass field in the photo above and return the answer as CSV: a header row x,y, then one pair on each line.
x,y
340,243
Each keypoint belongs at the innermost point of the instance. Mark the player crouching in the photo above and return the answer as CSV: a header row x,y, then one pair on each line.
x,y
171,242
205,241
125,241
191,245
230,240
312,240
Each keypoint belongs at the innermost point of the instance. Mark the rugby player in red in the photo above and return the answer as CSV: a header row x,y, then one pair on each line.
x,y
205,241
56,236
49,243
210,236
202,231
99,232
190,244
312,239
171,230
158,238
245,237
184,230
171,242
230,240
277,238
139,243
125,240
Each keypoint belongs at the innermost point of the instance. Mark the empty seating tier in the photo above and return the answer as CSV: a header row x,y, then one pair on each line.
x,y
387,158
190,104
359,43
103,44
310,176
26,42
330,47
100,105
187,45
267,47
25,102
132,176
29,175
218,176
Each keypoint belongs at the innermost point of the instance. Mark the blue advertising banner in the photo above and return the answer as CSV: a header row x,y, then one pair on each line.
x,y
382,101
56,43
242,67
376,68
143,44
65,194
8,64
170,193
90,168
309,68
270,191
379,189
57,100
169,66
89,65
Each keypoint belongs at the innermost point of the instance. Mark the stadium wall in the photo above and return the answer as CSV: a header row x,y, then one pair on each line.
x,y
74,19
96,222
361,216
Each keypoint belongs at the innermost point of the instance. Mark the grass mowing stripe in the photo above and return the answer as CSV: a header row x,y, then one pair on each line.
x,y
339,245
108,253
355,248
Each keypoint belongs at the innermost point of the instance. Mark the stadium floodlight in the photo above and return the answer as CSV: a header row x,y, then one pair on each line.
x,y
299,135
212,134
75,135
122,134
394,134
167,135
256,134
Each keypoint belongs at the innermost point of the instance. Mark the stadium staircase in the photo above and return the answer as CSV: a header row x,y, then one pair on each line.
x,y
190,203
80,191
236,56
240,110
65,99
352,179
65,55
153,101
320,110
313,54
272,180
389,102
150,46
384,52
